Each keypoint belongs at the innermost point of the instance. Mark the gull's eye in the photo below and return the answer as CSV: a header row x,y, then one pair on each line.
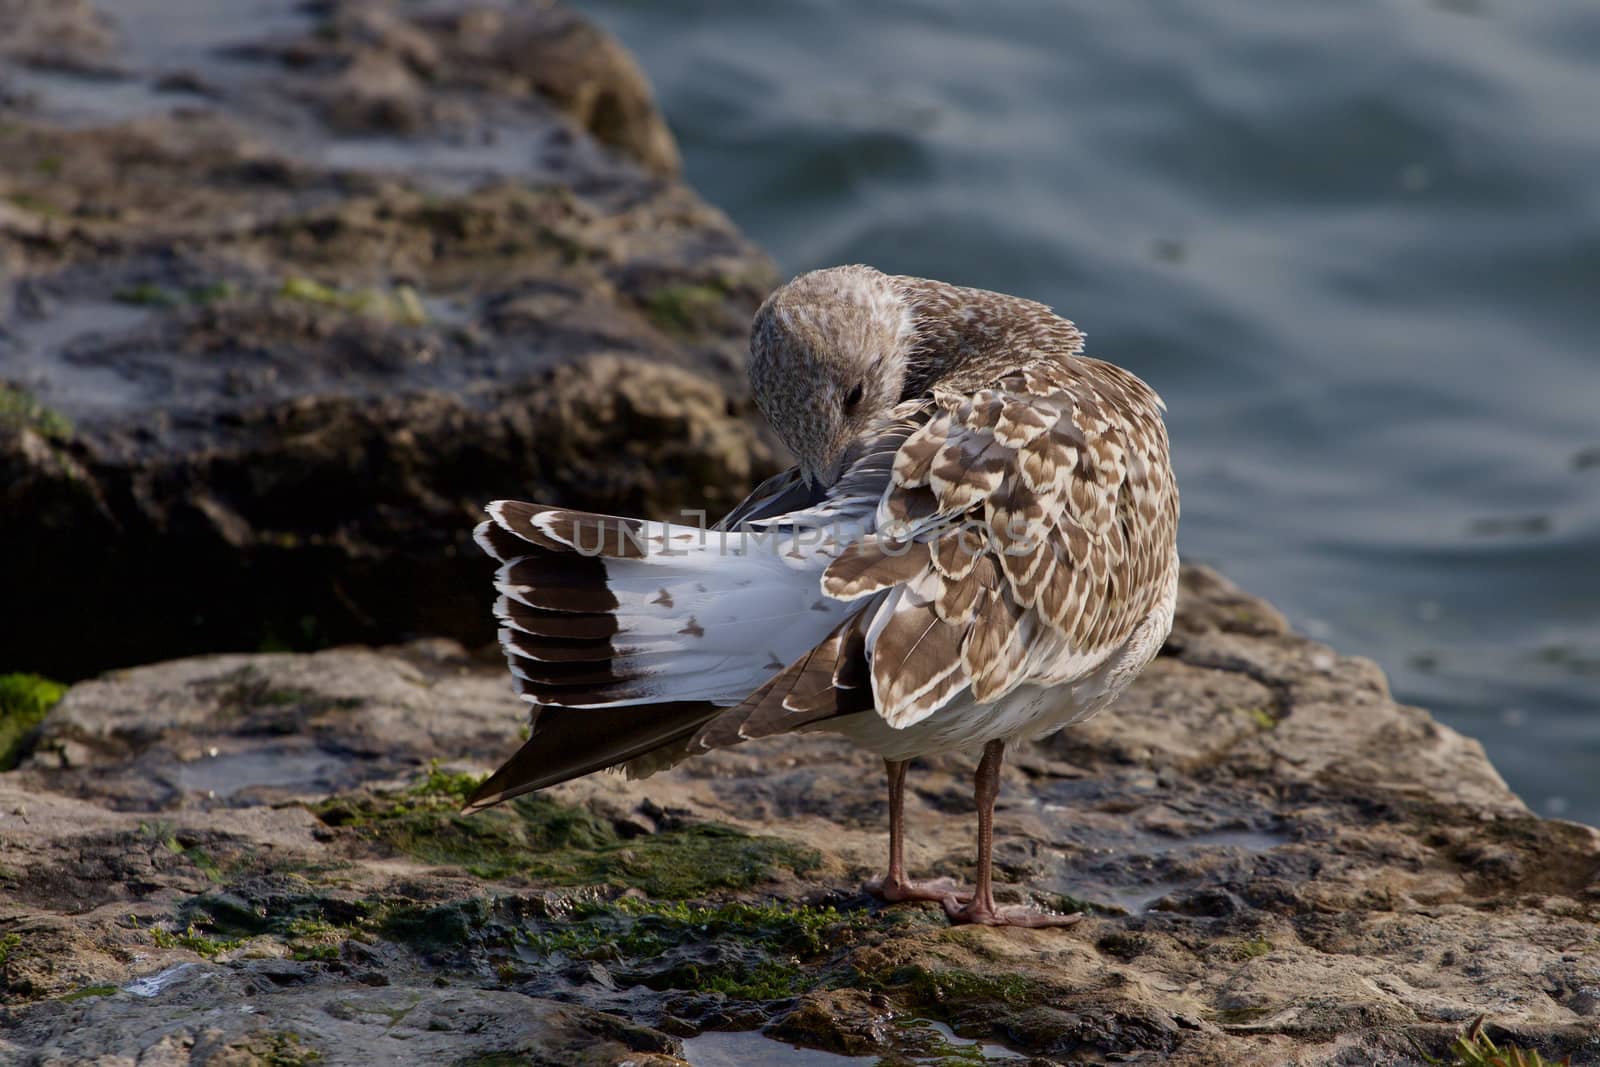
x,y
853,398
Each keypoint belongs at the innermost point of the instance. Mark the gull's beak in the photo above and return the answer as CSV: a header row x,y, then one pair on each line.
x,y
833,468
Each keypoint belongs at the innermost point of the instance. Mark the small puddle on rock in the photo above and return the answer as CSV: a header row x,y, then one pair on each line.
x,y
717,1049
77,101
152,985
224,775
36,355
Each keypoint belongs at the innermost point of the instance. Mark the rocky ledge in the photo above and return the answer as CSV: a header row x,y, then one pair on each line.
x,y
285,295
258,859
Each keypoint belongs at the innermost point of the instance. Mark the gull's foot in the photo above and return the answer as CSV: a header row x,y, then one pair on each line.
x,y
940,891
1005,915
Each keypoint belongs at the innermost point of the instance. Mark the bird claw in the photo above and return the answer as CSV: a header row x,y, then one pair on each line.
x,y
939,890
1010,915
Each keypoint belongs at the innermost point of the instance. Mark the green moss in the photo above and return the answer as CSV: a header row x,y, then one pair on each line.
x,y
767,980
1258,715
312,926
936,988
539,840
445,785
646,928
282,1049
194,940
228,915
317,939
1474,1049
8,946
439,928
38,205
19,410
148,294
1068,904
85,992
748,951
400,304
164,834
684,308
25,699
1249,950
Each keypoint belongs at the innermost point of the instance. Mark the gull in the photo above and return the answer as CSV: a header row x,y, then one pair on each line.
x,y
976,547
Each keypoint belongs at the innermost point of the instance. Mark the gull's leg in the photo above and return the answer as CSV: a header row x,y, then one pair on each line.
x,y
981,908
894,886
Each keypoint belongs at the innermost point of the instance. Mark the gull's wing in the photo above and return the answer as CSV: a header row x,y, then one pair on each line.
x,y
628,636
1019,534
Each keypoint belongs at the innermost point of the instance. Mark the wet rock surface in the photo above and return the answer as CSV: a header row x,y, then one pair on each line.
x,y
285,297
234,858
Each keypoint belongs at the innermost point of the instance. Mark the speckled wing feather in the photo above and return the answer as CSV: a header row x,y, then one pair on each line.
x,y
1024,533
1014,534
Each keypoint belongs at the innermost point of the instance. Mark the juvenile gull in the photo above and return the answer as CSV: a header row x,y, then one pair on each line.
x,y
978,545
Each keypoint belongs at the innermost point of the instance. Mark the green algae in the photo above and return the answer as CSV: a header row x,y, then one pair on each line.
x,y
1249,950
400,304
195,940
684,309
36,205
19,410
148,294
317,939
743,950
88,991
437,928
941,987
164,834
539,840
310,926
1258,715
1475,1049
1068,904
282,1048
634,927
25,699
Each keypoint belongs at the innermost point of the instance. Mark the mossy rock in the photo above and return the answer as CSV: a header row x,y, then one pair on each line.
x,y
25,699
750,951
544,842
19,410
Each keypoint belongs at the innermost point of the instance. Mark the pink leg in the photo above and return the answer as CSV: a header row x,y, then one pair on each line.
x,y
981,908
894,886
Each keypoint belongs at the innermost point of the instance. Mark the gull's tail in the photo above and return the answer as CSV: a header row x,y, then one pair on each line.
x,y
629,636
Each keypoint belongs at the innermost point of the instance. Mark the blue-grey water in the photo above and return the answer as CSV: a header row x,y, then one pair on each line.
x,y
1355,245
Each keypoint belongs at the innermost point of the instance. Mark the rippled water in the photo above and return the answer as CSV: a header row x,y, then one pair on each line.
x,y
1356,246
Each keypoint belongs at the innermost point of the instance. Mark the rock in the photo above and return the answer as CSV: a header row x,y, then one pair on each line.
x,y
66,35
1279,864
274,330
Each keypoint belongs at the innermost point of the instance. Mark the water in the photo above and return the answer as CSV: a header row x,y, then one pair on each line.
x,y
1356,246
719,1049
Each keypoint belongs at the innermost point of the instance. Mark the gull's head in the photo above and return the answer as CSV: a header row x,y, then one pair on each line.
x,y
829,354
